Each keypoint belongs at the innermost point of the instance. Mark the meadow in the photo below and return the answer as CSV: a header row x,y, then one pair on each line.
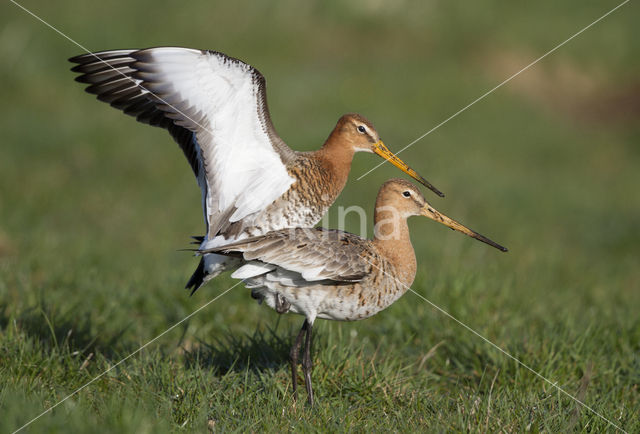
x,y
95,209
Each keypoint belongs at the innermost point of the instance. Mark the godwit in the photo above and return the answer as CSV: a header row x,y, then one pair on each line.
x,y
215,108
331,274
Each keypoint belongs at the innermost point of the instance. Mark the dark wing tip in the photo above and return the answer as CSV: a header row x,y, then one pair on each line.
x,y
77,59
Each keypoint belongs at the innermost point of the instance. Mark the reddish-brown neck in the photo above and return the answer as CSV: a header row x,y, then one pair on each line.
x,y
335,157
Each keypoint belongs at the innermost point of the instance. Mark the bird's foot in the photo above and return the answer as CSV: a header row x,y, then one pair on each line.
x,y
282,305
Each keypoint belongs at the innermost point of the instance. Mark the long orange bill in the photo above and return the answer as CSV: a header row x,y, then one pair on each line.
x,y
428,211
380,149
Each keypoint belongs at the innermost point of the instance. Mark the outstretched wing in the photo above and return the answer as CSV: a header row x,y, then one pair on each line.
x,y
215,107
316,254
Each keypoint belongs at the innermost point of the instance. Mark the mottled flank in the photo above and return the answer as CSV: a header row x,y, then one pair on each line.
x,y
317,185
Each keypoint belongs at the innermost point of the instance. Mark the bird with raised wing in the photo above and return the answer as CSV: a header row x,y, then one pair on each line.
x,y
215,108
335,275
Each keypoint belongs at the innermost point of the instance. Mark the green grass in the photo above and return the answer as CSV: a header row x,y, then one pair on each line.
x,y
94,207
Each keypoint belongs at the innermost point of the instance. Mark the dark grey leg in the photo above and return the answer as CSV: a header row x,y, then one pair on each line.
x,y
307,365
293,354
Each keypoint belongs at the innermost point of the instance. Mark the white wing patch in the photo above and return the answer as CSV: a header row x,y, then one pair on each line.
x,y
313,274
219,98
252,269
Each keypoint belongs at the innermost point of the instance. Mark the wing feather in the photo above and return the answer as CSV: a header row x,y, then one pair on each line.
x,y
215,107
316,254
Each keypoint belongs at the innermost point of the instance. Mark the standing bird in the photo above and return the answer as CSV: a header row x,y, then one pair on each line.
x,y
215,108
336,275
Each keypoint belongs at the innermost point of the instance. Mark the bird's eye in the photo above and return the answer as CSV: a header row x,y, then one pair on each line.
x,y
362,129
406,193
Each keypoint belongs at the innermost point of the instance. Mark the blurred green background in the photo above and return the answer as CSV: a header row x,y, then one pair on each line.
x,y
94,207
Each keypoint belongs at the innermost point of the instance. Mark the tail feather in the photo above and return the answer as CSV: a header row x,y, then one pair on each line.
x,y
197,278
210,266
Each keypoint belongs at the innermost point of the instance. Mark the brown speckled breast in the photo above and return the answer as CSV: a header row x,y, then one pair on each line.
x,y
303,205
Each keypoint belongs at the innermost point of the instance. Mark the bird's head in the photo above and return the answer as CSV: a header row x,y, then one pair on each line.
x,y
404,199
360,135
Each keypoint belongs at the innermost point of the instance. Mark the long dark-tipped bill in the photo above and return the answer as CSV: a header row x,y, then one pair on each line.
x,y
380,149
428,211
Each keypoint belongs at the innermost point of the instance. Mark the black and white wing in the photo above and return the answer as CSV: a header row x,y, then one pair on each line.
x,y
316,254
215,107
